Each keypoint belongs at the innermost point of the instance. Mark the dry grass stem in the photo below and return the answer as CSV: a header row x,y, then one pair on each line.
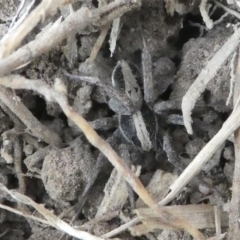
x,y
32,124
78,21
122,228
231,124
13,40
102,36
112,91
206,75
58,94
201,216
158,186
204,12
234,213
10,209
18,166
232,79
51,218
149,93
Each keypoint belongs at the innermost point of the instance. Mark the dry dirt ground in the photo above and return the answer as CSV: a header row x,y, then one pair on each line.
x,y
54,173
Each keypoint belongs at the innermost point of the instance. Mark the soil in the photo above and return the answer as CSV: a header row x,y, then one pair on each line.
x,y
180,46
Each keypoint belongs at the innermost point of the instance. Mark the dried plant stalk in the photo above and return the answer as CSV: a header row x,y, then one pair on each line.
x,y
204,12
206,75
232,78
116,27
228,10
12,41
234,213
203,218
58,94
231,124
201,215
99,42
116,193
77,20
51,218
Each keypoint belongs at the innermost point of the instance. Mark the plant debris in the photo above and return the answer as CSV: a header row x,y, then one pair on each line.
x,y
110,110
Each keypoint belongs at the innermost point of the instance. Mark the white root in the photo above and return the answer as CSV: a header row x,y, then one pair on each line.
x,y
116,27
231,125
206,75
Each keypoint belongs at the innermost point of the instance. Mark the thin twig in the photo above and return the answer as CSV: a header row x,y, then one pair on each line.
x,y
228,10
20,7
171,154
206,75
98,44
95,172
221,19
234,213
58,94
40,12
32,124
4,233
14,25
78,21
122,228
116,28
10,209
149,93
51,218
232,78
112,91
204,12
